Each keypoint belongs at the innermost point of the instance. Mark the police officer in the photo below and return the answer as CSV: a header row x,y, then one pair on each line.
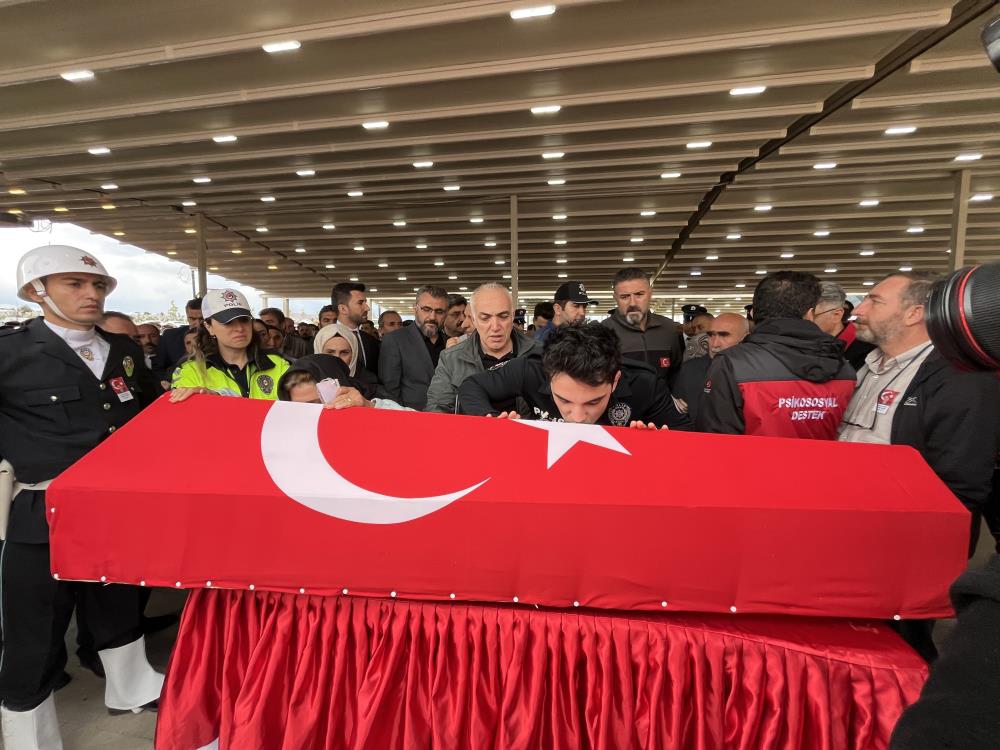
x,y
65,385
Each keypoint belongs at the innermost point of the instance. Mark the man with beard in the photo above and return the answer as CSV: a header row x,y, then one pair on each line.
x,y
409,355
908,394
643,335
455,316
352,311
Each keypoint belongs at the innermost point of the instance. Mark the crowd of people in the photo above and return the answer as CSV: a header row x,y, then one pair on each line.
x,y
801,364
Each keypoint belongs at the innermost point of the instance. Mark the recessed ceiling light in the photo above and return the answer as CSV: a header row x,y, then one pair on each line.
x,y
867,253
300,249
559,217
734,236
699,144
383,264
786,256
762,207
489,244
559,242
821,233
867,283
118,234
980,197
476,220
669,175
825,165
901,130
108,206
77,75
20,191
636,240
272,268
287,46
306,172
401,278
562,275
761,271
267,199
647,213
535,11
372,289
330,265
696,273
557,181
15,211
399,223
740,285
189,204
906,269
329,227
359,248
61,209
682,286
423,164
452,188
869,202
375,125
463,288
711,257
262,230
99,150
213,268
628,259
561,261
968,157
190,230
171,252
353,278
236,252
506,275
354,193
914,230
201,180
831,269
224,138
453,277
553,155
439,263
747,90
546,109
421,246
498,263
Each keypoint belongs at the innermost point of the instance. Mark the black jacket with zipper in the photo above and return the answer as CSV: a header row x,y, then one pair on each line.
x,y
953,419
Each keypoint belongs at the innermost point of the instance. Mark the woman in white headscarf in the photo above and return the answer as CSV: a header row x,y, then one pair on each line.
x,y
338,340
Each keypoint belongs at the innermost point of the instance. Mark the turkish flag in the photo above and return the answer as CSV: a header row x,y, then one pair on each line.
x,y
291,497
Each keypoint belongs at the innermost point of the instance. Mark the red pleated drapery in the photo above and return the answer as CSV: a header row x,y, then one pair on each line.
x,y
277,671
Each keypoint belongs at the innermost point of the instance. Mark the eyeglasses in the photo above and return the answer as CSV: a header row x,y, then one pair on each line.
x,y
428,310
832,309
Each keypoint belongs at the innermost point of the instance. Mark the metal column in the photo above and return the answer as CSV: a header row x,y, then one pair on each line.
x,y
513,249
960,217
202,256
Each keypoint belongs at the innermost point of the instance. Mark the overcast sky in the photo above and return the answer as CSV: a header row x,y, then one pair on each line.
x,y
147,282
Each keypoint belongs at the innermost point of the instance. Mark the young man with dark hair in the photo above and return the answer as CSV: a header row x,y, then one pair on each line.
x,y
410,355
171,347
787,378
352,311
543,316
455,316
644,335
273,317
570,303
581,377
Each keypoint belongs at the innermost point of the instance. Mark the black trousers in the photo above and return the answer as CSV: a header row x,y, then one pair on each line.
x,y
35,611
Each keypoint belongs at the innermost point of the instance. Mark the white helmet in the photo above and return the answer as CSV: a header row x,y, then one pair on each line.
x,y
49,259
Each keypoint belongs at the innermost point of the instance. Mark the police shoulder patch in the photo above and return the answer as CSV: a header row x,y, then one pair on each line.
x,y
619,413
266,384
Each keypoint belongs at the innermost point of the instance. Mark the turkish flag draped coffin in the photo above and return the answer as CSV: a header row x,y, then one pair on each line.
x,y
294,498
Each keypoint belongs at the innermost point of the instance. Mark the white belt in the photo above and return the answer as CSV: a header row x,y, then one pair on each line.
x,y
9,489
19,487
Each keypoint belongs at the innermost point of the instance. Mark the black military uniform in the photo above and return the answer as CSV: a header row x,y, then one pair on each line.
x,y
53,410
641,394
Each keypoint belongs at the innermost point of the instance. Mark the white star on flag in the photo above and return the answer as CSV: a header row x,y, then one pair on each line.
x,y
563,436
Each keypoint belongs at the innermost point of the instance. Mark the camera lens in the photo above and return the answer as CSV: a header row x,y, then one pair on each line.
x,y
963,317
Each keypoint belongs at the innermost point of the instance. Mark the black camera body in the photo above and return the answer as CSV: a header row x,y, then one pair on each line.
x,y
963,318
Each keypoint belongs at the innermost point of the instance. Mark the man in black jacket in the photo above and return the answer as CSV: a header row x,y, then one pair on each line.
x,y
171,348
352,311
787,378
907,394
579,377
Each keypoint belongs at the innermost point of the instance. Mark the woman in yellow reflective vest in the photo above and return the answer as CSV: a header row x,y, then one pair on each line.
x,y
229,360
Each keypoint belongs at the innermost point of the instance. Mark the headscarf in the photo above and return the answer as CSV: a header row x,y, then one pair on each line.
x,y
338,329
320,366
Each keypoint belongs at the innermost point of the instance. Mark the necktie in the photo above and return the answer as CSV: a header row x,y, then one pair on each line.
x,y
361,349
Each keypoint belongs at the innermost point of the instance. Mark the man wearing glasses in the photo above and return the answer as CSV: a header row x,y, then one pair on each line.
x,y
409,355
831,315
907,394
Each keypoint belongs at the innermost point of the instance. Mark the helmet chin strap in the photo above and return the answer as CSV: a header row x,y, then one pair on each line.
x,y
50,303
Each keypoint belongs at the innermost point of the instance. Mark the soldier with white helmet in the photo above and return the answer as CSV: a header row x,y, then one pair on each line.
x,y
65,385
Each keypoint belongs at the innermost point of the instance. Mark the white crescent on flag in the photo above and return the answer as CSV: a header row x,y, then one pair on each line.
x,y
289,444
